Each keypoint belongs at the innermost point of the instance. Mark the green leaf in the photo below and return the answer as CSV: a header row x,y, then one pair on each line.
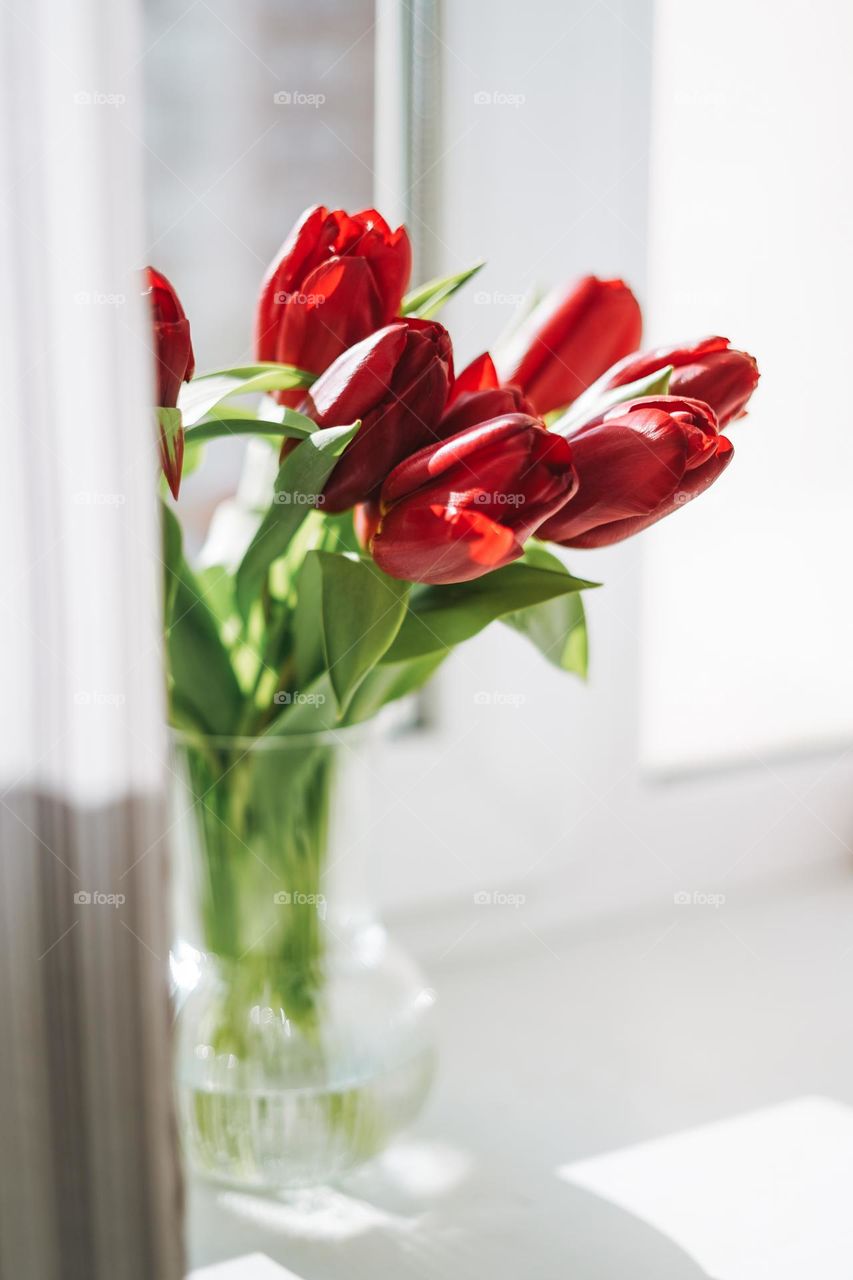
x,y
170,425
428,300
558,630
216,585
311,710
389,681
225,421
339,534
347,615
440,617
556,627
595,400
299,483
209,389
172,558
204,686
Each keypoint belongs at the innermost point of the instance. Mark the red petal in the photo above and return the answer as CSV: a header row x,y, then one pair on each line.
x,y
571,339
336,306
709,370
423,467
431,544
357,380
173,357
474,407
692,484
295,257
627,467
479,375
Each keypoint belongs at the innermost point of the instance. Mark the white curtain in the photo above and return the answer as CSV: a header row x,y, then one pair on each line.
x,y
89,1183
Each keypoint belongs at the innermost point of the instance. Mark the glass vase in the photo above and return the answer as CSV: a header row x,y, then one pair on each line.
x,y
304,1035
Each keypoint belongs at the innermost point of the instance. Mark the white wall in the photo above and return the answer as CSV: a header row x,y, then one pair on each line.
x,y
748,620
549,795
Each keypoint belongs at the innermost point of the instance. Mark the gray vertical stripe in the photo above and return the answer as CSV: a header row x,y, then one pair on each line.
x,y
89,1184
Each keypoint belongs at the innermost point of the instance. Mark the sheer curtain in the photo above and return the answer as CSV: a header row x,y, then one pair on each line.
x,y
89,1181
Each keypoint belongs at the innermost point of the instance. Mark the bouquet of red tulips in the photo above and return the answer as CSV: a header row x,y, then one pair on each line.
x,y
410,502
390,508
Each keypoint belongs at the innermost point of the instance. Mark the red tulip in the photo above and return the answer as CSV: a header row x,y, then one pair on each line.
x,y
570,340
464,506
173,353
638,463
173,349
476,396
396,381
709,370
337,278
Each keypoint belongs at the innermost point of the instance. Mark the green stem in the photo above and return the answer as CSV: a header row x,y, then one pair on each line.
x,y
262,849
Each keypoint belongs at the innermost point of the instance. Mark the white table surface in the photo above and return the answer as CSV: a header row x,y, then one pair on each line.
x,y
563,1047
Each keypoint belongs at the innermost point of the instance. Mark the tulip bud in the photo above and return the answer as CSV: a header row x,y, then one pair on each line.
x,y
173,349
396,381
569,340
638,463
710,370
460,508
175,364
336,279
477,396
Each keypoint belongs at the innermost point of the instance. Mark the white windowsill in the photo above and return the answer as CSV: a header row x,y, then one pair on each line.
x,y
560,1047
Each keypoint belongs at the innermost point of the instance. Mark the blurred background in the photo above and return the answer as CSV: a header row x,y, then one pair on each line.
x,y
665,143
